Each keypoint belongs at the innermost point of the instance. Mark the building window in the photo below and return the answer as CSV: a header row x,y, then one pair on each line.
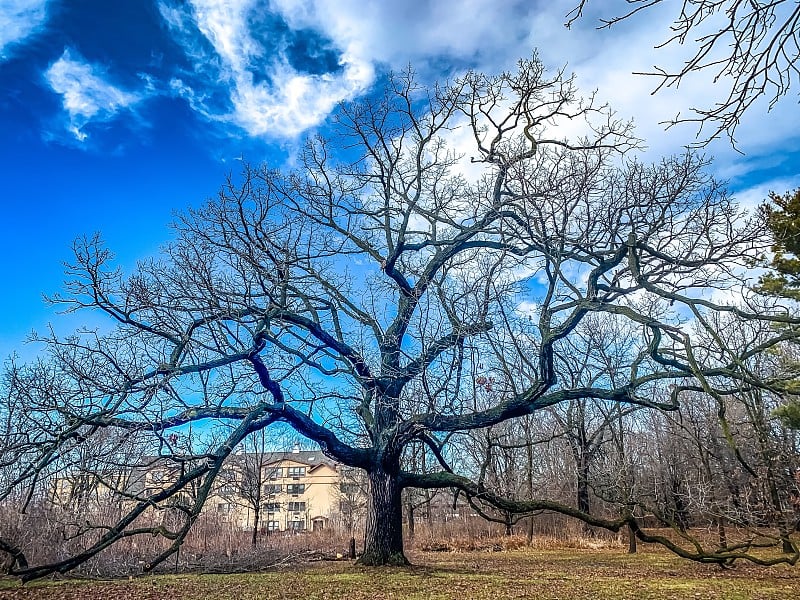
x,y
274,473
295,488
297,507
229,475
273,525
228,489
296,471
348,488
272,506
297,525
273,488
225,507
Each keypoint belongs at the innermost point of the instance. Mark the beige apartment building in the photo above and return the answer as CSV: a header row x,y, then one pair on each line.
x,y
298,490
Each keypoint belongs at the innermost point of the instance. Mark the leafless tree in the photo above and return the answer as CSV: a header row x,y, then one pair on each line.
x,y
763,451
351,495
355,297
602,348
500,455
753,44
249,476
722,460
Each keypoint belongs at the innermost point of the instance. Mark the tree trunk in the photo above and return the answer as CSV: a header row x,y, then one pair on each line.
x,y
583,488
723,536
784,528
583,485
410,518
428,511
383,542
631,540
786,544
256,519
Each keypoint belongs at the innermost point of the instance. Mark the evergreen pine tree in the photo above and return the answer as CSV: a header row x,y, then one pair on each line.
x,y
783,217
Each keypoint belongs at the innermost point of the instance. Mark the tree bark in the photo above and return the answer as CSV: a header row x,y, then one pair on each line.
x,y
383,542
256,522
723,536
631,540
784,528
582,460
583,484
410,518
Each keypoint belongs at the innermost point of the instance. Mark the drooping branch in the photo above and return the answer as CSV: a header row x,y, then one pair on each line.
x,y
476,492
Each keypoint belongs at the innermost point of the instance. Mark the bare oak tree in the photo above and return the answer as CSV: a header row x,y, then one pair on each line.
x,y
362,296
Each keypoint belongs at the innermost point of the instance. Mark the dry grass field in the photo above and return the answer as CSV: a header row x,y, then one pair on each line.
x,y
545,574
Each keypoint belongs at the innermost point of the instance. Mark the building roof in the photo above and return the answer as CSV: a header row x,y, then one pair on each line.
x,y
311,458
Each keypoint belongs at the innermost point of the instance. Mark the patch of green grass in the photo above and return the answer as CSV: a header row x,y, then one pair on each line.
x,y
539,574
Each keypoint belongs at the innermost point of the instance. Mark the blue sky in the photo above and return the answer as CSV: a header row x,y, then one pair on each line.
x,y
116,114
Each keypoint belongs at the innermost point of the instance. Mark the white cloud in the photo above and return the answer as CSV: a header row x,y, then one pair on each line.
x,y
489,37
431,36
284,104
86,94
396,33
753,196
18,20
606,60
267,96
528,308
293,102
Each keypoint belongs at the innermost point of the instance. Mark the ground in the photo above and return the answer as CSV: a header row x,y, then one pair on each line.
x,y
563,574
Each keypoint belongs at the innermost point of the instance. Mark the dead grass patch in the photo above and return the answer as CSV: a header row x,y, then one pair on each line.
x,y
545,574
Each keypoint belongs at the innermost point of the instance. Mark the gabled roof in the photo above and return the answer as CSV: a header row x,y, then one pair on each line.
x,y
311,458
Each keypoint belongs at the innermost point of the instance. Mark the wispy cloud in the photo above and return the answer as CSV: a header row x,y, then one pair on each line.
x,y
431,35
18,20
86,93
266,94
755,195
269,95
